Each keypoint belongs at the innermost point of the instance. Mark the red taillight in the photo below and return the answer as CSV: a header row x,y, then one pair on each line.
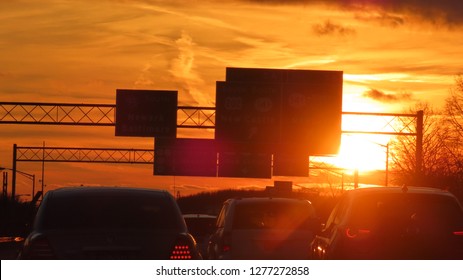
x,y
226,248
458,233
226,242
181,251
40,248
356,233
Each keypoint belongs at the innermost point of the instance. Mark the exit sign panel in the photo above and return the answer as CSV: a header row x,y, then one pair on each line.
x,y
146,113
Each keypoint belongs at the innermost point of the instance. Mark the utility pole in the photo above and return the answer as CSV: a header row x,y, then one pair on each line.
x,y
387,165
13,177
419,148
43,168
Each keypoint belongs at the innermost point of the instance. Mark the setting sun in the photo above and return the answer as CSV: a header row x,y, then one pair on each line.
x,y
362,152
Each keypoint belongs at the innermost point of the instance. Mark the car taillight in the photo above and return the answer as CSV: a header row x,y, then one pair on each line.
x,y
226,242
226,247
354,233
40,249
458,233
182,250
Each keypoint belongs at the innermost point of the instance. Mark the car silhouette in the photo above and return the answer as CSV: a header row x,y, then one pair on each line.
x,y
109,223
264,228
392,223
201,226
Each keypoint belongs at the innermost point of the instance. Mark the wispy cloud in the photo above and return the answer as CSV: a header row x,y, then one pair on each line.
x,y
184,72
382,96
144,80
331,28
381,17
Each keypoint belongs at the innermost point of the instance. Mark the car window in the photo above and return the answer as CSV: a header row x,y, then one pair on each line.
x,y
200,226
336,213
107,211
341,211
273,215
221,218
431,213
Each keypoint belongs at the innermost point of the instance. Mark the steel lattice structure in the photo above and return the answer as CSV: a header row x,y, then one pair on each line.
x,y
187,117
57,113
380,123
91,114
87,155
195,117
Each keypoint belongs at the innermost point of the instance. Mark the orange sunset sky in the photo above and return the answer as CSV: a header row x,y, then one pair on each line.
x,y
394,53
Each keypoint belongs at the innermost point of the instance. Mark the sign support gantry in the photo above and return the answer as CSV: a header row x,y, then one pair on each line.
x,y
188,117
91,114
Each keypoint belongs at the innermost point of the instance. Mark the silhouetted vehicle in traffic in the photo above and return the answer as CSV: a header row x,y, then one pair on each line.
x,y
201,226
392,223
109,223
264,228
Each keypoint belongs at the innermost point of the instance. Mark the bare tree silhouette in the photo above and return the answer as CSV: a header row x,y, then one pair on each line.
x,y
442,146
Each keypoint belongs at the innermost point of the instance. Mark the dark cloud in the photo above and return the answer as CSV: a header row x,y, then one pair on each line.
x,y
436,11
387,97
330,28
383,18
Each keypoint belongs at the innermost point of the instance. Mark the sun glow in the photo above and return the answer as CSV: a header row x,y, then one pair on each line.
x,y
362,152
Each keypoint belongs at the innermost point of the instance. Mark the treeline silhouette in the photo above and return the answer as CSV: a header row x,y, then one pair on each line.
x,y
15,216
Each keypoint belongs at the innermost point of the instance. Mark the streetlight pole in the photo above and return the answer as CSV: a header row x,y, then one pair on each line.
x,y
13,178
27,175
387,164
386,170
30,176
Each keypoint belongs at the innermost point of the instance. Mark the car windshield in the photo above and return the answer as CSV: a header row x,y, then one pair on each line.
x,y
200,226
273,215
110,211
430,213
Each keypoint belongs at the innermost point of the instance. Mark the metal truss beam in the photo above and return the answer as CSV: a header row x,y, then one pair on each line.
x,y
187,117
91,114
195,117
87,155
57,113
379,123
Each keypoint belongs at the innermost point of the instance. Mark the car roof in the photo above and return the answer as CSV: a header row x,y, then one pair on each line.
x,y
417,190
263,199
65,191
199,216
